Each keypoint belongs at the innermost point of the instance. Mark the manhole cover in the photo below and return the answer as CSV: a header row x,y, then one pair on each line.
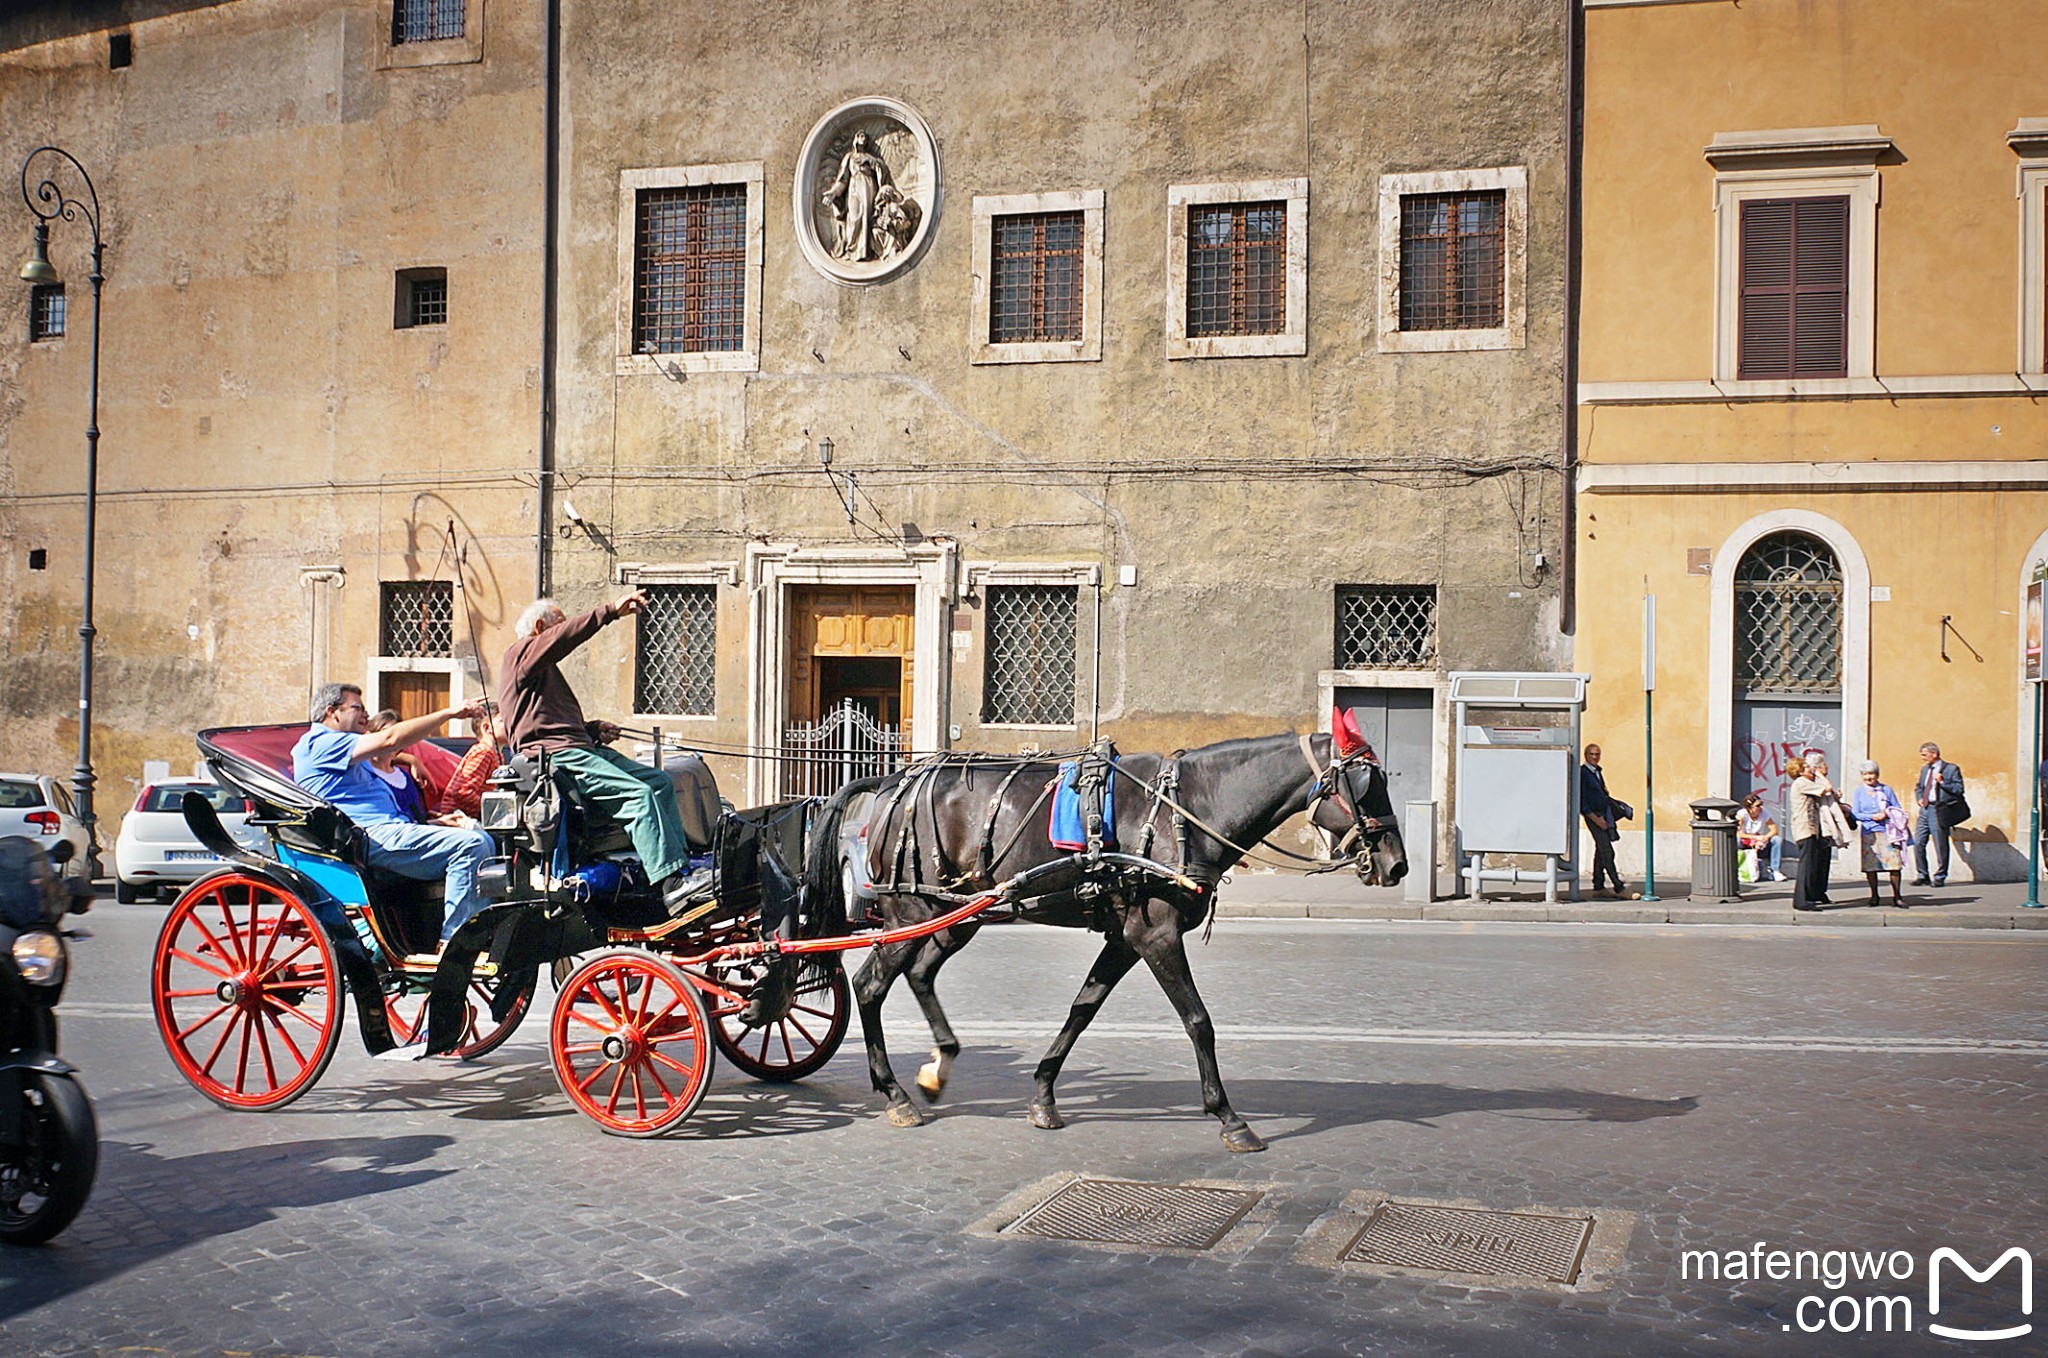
x,y
1469,1240
1115,1212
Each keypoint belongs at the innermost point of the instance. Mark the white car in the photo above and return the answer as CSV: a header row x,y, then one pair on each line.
x,y
157,850
40,807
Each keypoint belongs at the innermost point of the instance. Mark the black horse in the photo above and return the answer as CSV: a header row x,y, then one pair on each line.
x,y
950,828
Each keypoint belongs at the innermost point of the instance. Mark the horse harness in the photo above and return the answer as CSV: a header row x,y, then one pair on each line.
x,y
1332,783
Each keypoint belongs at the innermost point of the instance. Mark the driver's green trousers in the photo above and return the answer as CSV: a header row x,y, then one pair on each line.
x,y
640,798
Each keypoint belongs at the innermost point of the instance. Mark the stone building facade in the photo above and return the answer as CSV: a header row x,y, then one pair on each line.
x,y
321,347
1186,368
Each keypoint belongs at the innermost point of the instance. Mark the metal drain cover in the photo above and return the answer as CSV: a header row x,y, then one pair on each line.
x,y
1117,1212
1470,1240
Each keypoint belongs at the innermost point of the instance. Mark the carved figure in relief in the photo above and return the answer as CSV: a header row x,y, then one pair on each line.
x,y
853,196
896,219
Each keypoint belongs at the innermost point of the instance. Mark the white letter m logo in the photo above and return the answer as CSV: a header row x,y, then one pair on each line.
x,y
2026,1262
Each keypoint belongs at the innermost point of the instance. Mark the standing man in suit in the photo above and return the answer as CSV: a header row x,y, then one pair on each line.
x,y
1600,814
1937,797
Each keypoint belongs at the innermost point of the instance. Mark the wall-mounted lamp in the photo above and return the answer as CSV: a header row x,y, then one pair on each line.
x,y
825,461
825,452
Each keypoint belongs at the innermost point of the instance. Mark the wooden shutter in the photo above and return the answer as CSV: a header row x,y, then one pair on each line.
x,y
1793,300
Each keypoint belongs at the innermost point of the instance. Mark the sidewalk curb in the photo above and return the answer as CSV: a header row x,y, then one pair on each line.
x,y
1681,911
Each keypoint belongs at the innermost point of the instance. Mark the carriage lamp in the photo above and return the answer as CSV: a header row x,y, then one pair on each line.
x,y
41,172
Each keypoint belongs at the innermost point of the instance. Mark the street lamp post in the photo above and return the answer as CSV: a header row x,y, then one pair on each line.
x,y
50,202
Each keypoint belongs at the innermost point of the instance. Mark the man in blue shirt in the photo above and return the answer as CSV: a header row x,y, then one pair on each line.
x,y
332,761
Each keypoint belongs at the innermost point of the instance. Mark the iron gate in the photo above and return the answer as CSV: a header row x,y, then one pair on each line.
x,y
819,758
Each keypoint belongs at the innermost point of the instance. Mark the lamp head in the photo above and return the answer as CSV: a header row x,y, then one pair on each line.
x,y
825,451
38,269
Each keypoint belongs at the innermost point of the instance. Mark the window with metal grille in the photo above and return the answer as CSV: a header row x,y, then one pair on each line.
x,y
417,618
675,663
426,20
1237,269
1792,303
1788,617
46,311
1035,283
1030,678
690,269
1386,627
427,300
1452,258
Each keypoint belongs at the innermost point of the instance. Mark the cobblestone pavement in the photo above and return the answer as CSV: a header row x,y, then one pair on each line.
x,y
1710,1088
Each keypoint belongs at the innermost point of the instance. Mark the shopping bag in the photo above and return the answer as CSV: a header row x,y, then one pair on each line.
x,y
1745,865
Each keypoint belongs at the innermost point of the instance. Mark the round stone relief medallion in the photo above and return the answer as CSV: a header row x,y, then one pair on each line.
x,y
867,191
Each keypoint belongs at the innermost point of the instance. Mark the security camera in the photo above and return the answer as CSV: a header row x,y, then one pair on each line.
x,y
569,512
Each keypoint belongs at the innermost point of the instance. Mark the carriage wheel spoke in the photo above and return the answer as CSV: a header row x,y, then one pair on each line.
x,y
301,1015
235,1017
200,962
581,1017
263,1046
220,950
187,994
242,1059
611,1106
286,1038
293,957
277,932
688,1072
187,1032
668,1095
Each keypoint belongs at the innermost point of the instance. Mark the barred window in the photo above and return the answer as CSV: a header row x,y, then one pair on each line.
x,y
429,300
1788,617
1031,631
46,311
1237,269
1452,260
426,20
1386,627
1035,283
675,662
417,618
690,269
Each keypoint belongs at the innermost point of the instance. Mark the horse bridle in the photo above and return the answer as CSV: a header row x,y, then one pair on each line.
x,y
1332,784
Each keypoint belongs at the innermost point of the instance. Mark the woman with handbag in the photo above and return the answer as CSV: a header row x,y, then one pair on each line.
x,y
1881,824
1802,809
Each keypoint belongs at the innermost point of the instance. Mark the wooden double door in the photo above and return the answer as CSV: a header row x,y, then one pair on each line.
x,y
852,644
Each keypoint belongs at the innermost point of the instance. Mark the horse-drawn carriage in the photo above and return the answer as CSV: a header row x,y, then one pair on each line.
x,y
255,963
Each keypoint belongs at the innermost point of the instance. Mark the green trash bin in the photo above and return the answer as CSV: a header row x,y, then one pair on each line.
x,y
1714,850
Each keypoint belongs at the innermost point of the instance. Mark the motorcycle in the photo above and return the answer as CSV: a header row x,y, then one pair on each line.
x,y
49,1140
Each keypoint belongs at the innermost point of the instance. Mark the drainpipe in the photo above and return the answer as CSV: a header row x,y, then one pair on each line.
x,y
543,565
1574,100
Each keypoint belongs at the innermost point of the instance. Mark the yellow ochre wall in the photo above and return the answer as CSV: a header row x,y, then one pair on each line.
x,y
1946,83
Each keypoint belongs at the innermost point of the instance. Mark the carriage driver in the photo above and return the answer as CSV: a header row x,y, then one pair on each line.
x,y
541,714
332,761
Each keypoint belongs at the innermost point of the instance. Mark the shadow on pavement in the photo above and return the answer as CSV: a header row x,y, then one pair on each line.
x,y
145,1205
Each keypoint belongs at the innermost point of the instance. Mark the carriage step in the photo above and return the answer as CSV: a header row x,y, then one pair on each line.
x,y
429,961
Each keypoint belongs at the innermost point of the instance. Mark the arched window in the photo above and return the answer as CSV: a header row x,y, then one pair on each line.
x,y
1788,618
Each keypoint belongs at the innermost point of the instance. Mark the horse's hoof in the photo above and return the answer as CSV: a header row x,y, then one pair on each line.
x,y
903,1115
1046,1117
1242,1140
930,1085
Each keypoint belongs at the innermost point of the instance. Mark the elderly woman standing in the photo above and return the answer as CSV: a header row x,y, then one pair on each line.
x,y
1881,823
1810,881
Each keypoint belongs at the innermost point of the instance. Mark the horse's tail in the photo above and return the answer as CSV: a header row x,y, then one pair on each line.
x,y
825,892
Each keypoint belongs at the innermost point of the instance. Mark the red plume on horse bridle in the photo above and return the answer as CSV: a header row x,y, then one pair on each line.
x,y
1345,735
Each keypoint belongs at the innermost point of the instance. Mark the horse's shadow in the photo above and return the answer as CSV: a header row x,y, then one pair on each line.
x,y
146,1205
998,1085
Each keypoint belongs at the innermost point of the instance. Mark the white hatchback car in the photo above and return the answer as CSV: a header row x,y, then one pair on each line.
x,y
40,807
157,850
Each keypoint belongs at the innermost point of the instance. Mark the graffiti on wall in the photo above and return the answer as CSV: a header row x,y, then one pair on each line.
x,y
1768,733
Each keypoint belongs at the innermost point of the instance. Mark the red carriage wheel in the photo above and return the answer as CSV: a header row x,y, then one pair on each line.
x,y
480,1033
247,993
801,1041
631,1043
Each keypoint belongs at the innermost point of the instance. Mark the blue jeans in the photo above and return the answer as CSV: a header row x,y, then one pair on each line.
x,y
1930,829
424,852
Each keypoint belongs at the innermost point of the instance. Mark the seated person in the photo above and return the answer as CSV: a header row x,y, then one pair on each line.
x,y
399,772
332,761
1756,831
543,716
465,790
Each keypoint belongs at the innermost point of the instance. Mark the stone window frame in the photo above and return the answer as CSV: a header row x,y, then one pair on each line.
x,y
1292,338
1805,162
721,575
1080,575
1086,349
1512,182
458,51
2029,141
751,174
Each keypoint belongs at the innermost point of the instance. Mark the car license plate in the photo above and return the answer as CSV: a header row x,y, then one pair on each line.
x,y
191,856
